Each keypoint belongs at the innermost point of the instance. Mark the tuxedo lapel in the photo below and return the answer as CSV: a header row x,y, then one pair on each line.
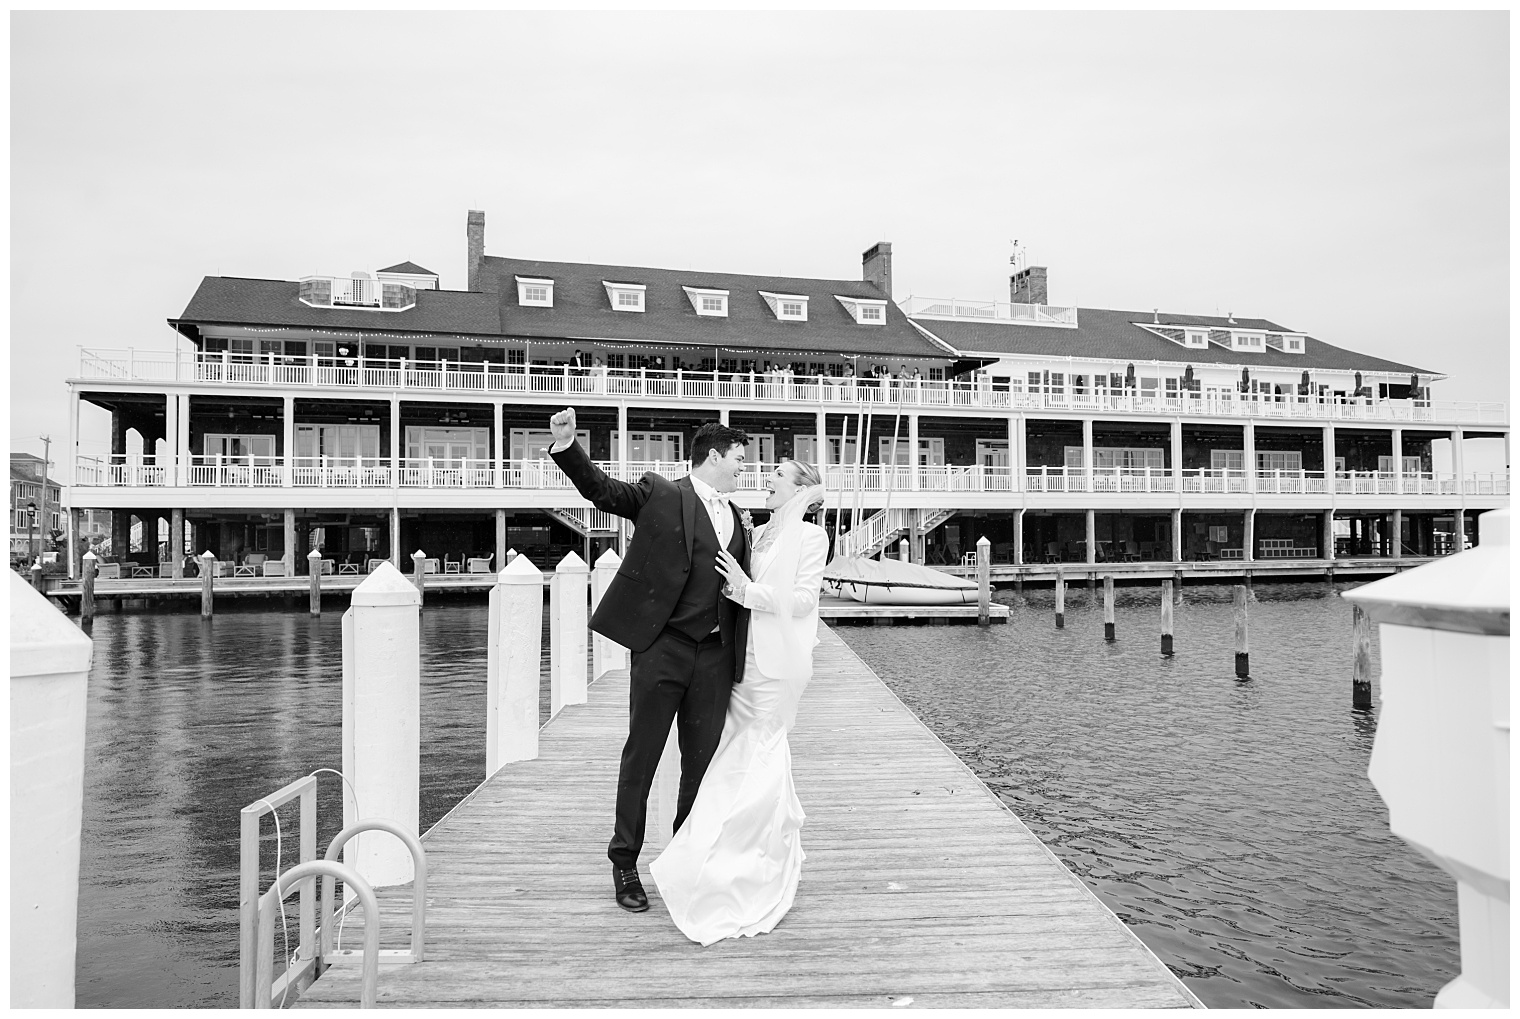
x,y
688,512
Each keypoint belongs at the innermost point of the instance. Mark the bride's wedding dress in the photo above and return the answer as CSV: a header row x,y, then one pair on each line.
x,y
732,869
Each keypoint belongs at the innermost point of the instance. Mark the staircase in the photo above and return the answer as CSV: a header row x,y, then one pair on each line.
x,y
587,521
882,528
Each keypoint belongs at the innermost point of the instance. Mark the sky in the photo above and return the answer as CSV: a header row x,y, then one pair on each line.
x,y
1346,175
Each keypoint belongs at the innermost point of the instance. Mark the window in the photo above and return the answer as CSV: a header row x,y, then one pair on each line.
x,y
865,311
517,357
1279,460
786,307
1293,344
442,444
625,296
1196,338
708,303
936,374
615,361
535,293
1248,341
714,304
1227,459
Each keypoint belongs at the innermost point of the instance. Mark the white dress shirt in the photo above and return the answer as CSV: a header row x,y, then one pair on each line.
x,y
717,510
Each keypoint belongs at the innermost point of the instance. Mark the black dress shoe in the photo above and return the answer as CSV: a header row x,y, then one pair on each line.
x,y
628,889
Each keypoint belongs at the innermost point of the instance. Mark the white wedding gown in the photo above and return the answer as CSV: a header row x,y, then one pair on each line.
x,y
732,868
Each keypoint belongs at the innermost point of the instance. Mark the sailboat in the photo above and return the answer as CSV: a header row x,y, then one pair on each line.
x,y
886,581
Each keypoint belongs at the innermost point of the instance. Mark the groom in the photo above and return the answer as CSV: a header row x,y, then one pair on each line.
x,y
666,606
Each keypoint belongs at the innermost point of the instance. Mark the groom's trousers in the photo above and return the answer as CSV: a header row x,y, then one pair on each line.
x,y
675,679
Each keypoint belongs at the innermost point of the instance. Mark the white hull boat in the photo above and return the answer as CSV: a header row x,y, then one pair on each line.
x,y
890,582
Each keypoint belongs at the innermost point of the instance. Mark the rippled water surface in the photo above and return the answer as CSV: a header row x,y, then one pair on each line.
x,y
188,723
1229,823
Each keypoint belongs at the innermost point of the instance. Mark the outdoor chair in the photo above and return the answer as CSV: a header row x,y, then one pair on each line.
x,y
108,571
1052,552
275,568
481,564
374,564
1131,552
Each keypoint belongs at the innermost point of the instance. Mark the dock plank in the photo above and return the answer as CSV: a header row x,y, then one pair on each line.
x,y
919,883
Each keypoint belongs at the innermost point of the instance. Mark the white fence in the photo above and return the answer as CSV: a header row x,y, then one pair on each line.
x,y
814,391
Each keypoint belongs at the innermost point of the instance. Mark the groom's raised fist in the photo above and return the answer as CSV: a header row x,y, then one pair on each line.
x,y
562,426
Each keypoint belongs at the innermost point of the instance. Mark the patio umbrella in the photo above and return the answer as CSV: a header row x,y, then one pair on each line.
x,y
1359,383
1187,376
1129,377
1245,380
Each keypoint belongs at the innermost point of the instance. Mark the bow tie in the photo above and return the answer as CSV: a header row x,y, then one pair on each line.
x,y
717,500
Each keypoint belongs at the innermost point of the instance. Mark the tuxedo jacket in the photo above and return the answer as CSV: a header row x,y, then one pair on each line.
x,y
639,601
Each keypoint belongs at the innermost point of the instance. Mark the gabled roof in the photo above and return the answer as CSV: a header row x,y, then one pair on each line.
x,y
411,269
1118,336
224,300
582,311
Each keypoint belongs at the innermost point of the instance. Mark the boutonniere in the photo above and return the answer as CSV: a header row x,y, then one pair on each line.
x,y
748,523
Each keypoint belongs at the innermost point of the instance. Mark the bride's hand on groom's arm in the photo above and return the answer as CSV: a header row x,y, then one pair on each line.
x,y
732,572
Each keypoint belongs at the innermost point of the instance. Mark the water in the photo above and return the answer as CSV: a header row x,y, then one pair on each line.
x,y
1229,823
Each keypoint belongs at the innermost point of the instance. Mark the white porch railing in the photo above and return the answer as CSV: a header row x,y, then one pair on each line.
x,y
556,383
378,472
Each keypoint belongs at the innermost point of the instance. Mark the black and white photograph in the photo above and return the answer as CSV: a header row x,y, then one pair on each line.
x,y
785,509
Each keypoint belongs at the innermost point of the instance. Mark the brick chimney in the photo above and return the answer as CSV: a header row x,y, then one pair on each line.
x,y
876,266
1027,286
475,235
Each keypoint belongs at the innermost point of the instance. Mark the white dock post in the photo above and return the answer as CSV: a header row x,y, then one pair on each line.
x,y
381,721
903,555
1440,759
208,569
87,570
605,654
50,663
567,633
514,646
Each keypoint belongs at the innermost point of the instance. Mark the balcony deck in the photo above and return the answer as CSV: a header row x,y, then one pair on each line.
x,y
313,473
550,385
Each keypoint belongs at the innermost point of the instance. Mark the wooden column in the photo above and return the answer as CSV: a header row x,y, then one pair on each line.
x,y
1397,440
500,561
1018,537
500,433
1176,535
290,543
1361,659
1248,545
208,570
1060,599
1177,455
1396,524
1108,607
1242,634
1166,618
983,581
288,450
177,543
419,570
87,587
314,578
1092,537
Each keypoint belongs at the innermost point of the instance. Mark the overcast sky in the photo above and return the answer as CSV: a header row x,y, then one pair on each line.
x,y
1345,175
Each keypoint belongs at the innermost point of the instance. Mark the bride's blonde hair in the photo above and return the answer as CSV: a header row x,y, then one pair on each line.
x,y
808,477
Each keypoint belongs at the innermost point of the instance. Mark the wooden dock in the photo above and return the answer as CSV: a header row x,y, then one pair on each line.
x,y
920,887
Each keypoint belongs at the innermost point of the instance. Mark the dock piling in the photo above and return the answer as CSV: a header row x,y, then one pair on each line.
x,y
1166,618
38,584
314,568
567,633
382,668
87,586
1018,588
1108,607
514,646
983,581
1361,659
419,565
50,662
605,655
208,567
1242,635
903,555
1060,599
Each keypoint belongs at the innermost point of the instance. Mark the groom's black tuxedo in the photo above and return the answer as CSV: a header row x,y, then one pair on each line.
x,y
663,605
659,566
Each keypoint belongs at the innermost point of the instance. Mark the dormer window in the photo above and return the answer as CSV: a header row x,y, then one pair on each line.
x,y
535,293
865,311
712,303
1288,343
786,307
1247,341
1195,338
625,296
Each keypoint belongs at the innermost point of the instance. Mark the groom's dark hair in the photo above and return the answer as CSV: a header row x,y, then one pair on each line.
x,y
715,435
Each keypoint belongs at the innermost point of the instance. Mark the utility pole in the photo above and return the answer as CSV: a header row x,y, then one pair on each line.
x,y
43,528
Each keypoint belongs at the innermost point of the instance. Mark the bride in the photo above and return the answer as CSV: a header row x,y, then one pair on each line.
x,y
732,868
